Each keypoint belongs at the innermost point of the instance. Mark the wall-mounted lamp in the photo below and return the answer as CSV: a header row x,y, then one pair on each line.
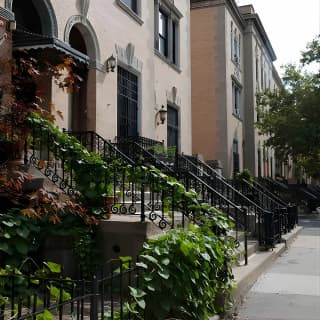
x,y
111,63
11,25
162,114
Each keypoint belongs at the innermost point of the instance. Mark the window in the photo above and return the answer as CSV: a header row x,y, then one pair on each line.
x,y
132,4
127,103
172,127
236,99
235,45
236,158
167,20
163,34
132,8
259,162
257,72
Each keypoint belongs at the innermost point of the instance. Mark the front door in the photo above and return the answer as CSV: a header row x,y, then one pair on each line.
x,y
127,104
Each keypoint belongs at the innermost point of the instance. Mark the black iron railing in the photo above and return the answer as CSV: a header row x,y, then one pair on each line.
x,y
103,297
128,188
271,194
145,143
257,215
278,212
95,143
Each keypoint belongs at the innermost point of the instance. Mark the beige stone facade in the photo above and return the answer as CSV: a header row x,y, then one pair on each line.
x,y
225,42
150,76
260,75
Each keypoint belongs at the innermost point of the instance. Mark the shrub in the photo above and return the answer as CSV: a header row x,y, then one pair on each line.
x,y
183,273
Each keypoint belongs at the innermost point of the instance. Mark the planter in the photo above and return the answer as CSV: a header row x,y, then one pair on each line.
x,y
109,201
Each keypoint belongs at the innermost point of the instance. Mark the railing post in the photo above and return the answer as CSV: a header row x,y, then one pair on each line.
x,y
143,217
246,237
25,151
94,299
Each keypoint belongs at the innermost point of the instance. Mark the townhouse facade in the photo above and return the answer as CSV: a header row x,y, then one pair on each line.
x,y
232,60
260,74
133,56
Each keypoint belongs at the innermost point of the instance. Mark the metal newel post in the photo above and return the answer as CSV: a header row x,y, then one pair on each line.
x,y
143,217
94,299
246,236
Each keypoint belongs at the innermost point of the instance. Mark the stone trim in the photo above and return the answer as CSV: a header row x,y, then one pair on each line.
x,y
127,57
90,39
132,14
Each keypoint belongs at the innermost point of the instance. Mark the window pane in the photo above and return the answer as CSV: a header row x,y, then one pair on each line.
x,y
163,24
132,4
172,127
163,46
174,40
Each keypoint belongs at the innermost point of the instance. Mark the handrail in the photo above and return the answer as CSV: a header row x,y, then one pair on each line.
x,y
223,180
259,191
206,166
156,161
106,142
272,195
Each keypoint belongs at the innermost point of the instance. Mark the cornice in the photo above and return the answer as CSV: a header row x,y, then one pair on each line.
x,y
254,18
230,4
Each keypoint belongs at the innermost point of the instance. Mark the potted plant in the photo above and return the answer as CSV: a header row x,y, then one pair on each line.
x,y
245,174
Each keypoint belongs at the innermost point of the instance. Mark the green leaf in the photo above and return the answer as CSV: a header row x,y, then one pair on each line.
x,y
125,259
137,293
165,261
142,265
149,258
206,257
186,247
151,288
4,247
23,232
53,267
21,246
7,235
45,315
8,223
164,274
141,303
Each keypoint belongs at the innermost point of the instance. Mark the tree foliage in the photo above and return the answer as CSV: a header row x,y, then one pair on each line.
x,y
290,116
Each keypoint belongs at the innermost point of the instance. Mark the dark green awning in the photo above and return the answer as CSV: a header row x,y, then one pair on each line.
x,y
27,40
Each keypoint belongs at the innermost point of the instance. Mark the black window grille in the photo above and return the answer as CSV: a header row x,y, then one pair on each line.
x,y
127,103
172,127
236,158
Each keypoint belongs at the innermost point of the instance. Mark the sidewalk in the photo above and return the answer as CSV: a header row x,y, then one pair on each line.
x,y
290,289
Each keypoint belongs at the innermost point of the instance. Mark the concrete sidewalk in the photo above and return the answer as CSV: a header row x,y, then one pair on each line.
x,y
290,289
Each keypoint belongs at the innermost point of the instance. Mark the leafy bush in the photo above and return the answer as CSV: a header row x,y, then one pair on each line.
x,y
183,273
245,174
18,236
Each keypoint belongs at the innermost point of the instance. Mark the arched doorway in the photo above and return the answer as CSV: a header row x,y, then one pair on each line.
x,y
81,36
78,109
35,16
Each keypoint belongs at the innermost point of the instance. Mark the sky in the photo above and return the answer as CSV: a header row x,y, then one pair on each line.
x,y
289,24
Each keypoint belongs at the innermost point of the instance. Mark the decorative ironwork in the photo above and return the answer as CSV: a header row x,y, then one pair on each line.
x,y
28,297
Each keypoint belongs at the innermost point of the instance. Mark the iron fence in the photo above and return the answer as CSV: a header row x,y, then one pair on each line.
x,y
106,296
